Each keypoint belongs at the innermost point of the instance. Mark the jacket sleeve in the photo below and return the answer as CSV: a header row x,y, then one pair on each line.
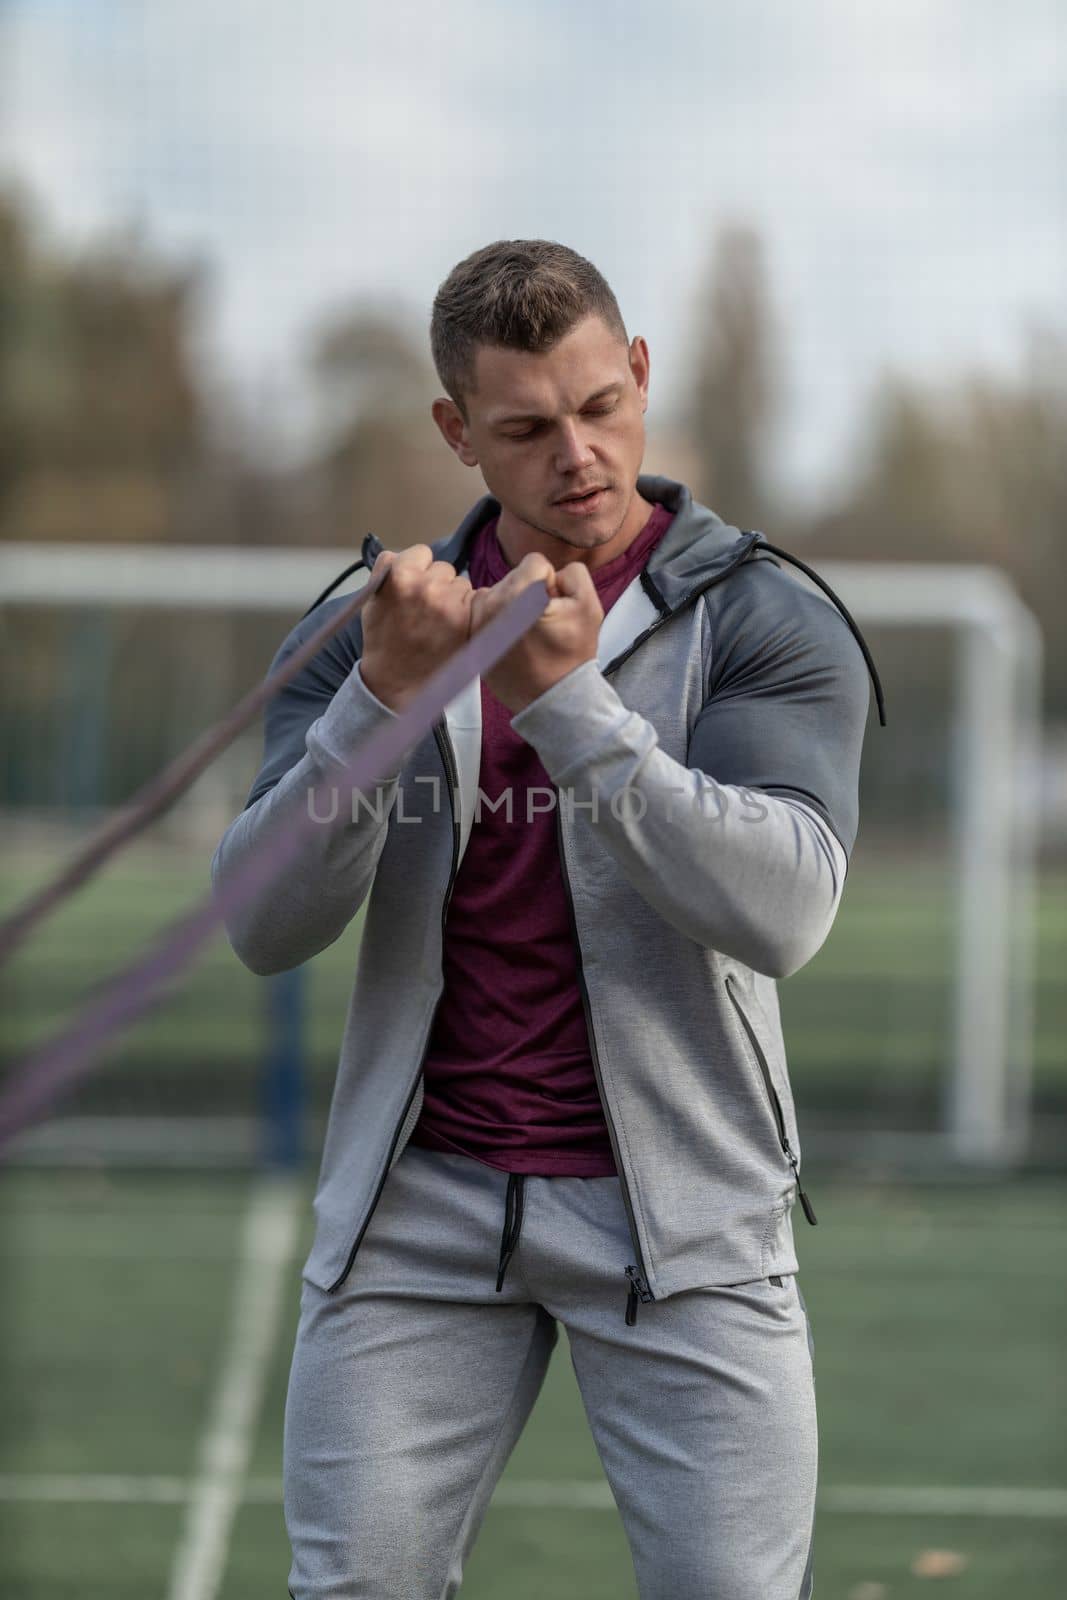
x,y
744,849
311,728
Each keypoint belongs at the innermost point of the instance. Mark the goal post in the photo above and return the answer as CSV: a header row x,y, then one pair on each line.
x,y
996,768
995,732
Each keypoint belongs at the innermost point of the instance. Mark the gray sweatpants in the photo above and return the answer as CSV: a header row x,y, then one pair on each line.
x,y
410,1386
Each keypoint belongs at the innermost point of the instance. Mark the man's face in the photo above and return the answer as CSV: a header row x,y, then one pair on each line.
x,y
545,428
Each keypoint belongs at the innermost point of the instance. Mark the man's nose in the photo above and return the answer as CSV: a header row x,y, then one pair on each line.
x,y
573,450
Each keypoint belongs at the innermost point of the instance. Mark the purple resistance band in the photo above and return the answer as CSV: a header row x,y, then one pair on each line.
x,y
179,775
35,1081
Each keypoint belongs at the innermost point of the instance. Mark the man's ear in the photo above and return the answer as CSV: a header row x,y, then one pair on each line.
x,y
639,366
449,419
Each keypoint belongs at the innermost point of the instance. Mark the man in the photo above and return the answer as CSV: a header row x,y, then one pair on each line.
x,y
579,892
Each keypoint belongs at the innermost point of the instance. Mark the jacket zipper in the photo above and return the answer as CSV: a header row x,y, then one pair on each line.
x,y
776,1104
444,744
636,1275
638,1290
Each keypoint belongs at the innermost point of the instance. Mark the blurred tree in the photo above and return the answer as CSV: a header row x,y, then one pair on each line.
x,y
103,437
365,360
973,471
383,467
735,391
100,418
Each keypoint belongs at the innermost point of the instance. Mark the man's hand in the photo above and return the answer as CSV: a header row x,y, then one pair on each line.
x,y
419,619
563,637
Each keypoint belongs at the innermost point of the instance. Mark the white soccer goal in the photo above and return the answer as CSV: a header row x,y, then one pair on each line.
x,y
996,723
998,727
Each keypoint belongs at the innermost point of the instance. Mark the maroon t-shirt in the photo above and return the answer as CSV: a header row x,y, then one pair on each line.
x,y
508,1074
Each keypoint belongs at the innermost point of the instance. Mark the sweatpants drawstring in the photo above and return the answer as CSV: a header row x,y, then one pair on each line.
x,y
512,1223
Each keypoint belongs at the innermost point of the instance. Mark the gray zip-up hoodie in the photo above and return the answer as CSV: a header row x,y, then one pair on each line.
x,y
707,771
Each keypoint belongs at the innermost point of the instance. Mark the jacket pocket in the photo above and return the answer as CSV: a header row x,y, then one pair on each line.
x,y
772,1092
761,1061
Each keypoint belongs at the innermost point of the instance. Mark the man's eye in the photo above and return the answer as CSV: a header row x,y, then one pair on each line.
x,y
536,427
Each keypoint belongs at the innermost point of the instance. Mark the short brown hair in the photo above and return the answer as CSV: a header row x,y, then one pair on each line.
x,y
522,294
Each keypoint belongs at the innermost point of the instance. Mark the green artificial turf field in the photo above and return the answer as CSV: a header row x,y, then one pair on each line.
x,y
937,1316
938,1312
867,1022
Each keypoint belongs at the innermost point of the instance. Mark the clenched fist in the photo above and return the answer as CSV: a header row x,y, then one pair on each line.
x,y
563,637
414,624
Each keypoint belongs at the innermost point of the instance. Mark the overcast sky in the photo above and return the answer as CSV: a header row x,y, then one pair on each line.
x,y
903,160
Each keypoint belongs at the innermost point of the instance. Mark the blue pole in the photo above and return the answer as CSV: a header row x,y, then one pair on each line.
x,y
283,1071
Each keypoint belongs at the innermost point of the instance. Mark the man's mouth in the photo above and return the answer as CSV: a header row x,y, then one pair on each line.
x,y
584,502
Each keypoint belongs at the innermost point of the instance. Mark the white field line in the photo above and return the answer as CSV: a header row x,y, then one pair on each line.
x,y
947,1501
270,1236
555,1495
68,1488
876,1499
